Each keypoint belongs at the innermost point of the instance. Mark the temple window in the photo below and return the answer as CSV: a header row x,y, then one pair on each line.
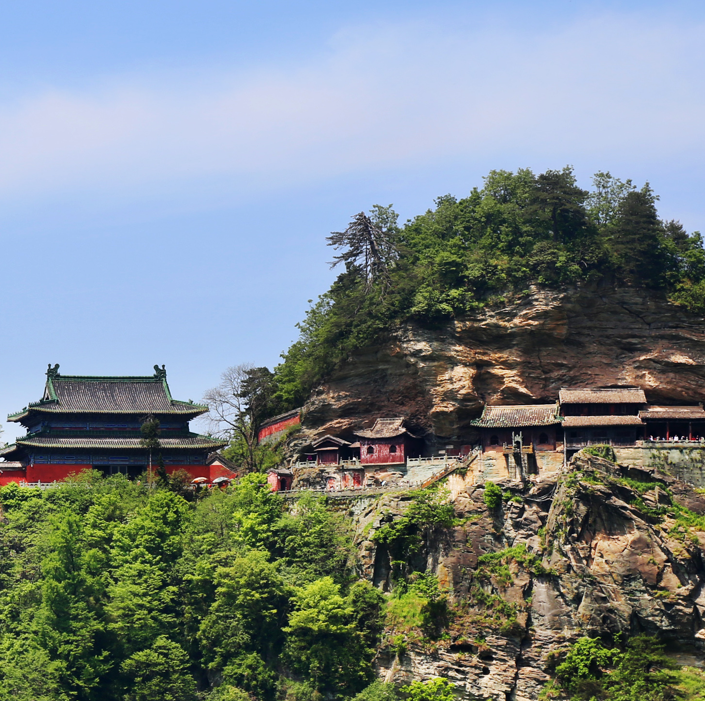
x,y
370,450
392,449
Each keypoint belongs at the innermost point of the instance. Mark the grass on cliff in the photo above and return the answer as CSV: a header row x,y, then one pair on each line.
x,y
690,682
637,671
686,521
428,508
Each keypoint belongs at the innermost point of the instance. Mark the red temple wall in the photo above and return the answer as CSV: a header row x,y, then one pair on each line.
x,y
278,427
53,473
13,476
57,473
328,457
382,454
221,471
279,482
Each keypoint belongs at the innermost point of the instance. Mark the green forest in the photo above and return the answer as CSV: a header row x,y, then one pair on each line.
x,y
113,591
519,230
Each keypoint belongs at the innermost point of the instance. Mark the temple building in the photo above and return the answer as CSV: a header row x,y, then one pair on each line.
x,y
524,435
670,423
605,416
388,442
83,423
331,450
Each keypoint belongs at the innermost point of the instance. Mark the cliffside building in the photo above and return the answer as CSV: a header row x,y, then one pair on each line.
x,y
388,442
84,423
606,416
273,429
525,435
668,423
331,450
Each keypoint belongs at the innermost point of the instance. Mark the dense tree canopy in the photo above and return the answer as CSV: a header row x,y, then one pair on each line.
x,y
518,230
114,591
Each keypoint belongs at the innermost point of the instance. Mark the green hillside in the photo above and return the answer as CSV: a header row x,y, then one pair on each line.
x,y
518,230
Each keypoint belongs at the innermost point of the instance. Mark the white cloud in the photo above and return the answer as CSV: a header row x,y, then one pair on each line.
x,y
380,97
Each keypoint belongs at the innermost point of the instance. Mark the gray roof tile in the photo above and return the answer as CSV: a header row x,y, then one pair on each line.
x,y
518,415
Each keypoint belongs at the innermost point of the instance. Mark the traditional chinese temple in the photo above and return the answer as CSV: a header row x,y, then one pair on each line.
x,y
388,442
523,434
608,416
83,423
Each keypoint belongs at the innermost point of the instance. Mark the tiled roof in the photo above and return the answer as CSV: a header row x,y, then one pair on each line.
x,y
218,457
9,465
113,395
193,441
670,413
9,448
612,395
338,441
583,421
518,415
384,428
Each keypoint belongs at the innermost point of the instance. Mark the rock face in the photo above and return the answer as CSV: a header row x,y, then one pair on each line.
x,y
600,549
440,378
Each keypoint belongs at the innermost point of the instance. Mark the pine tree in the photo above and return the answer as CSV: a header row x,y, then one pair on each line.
x,y
636,241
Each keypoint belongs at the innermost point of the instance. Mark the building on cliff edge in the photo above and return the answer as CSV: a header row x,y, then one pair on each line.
x,y
84,423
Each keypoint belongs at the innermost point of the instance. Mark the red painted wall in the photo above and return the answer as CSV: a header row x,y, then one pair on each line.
x,y
278,427
13,476
56,473
53,473
221,471
352,479
279,482
382,454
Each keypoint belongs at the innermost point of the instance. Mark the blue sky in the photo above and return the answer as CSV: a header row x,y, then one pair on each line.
x,y
169,170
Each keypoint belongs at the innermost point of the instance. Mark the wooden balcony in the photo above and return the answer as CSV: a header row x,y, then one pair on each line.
x,y
526,449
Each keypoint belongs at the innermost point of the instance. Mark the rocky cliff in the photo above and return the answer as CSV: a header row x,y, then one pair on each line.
x,y
599,550
440,378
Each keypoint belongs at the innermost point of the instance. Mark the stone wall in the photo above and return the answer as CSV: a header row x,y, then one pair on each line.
x,y
495,466
685,461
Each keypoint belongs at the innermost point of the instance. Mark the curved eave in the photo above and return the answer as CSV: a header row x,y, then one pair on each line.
x,y
8,450
197,442
478,423
192,410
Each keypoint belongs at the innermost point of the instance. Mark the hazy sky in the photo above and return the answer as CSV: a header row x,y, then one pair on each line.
x,y
169,170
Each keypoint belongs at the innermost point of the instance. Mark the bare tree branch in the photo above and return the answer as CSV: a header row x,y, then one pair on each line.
x,y
229,414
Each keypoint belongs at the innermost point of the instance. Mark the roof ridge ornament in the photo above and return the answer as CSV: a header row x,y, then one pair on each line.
x,y
53,371
159,373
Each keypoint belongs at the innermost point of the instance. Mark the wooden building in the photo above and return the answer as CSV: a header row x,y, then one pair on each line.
x,y
668,423
519,432
604,416
83,423
331,450
388,442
